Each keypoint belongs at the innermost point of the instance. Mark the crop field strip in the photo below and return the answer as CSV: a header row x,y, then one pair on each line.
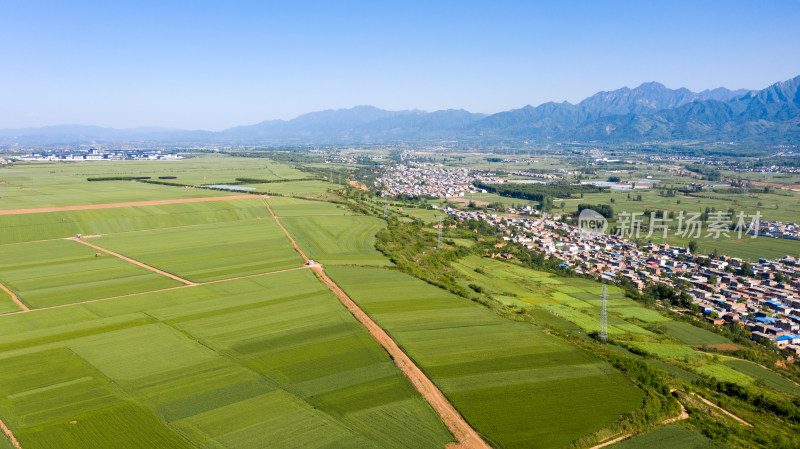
x,y
23,250
227,364
92,221
466,436
504,377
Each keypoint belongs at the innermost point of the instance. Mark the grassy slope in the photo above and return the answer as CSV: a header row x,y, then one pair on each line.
x,y
670,437
510,380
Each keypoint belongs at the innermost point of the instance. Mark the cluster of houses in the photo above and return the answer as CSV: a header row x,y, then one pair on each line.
x,y
433,180
768,308
779,230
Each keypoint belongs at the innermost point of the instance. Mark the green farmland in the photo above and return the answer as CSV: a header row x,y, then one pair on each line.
x,y
670,437
209,252
6,303
50,225
52,184
510,380
294,207
347,239
268,361
50,273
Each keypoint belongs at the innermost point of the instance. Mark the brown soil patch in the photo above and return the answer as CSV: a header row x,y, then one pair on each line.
x,y
128,204
724,347
359,185
135,262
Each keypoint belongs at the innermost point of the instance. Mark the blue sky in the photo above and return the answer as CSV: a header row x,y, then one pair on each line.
x,y
214,64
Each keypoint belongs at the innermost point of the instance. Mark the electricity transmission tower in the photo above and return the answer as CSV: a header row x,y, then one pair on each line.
x,y
330,177
340,179
385,207
440,232
603,318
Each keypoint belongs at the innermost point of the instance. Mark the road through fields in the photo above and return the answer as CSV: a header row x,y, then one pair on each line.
x,y
466,436
128,204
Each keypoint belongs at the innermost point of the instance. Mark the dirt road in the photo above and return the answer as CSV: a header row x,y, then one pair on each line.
x,y
684,415
128,204
135,262
14,298
10,435
466,436
711,404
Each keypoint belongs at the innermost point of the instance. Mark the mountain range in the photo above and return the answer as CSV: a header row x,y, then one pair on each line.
x,y
649,112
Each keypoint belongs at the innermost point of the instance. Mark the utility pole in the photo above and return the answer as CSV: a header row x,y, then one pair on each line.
x,y
440,232
603,318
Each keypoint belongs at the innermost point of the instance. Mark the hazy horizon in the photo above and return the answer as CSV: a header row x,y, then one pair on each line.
x,y
211,67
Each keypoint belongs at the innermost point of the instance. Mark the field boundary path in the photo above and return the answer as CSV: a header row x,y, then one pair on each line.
x,y
14,298
464,434
684,415
711,404
135,262
126,204
10,435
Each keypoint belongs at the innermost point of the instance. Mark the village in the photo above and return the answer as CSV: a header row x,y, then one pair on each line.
x,y
722,287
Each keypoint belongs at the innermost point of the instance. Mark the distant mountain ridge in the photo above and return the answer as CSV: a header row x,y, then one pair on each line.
x,y
648,112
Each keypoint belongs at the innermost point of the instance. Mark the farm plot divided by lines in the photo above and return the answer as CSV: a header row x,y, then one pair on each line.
x,y
53,225
209,252
272,361
335,240
510,380
57,272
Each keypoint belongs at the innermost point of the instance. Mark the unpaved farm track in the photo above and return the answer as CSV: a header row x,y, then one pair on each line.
x,y
135,262
10,435
15,298
128,204
466,436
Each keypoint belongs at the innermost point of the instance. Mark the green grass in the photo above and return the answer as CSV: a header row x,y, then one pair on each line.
x,y
123,426
6,303
510,380
268,361
670,437
724,373
669,350
691,335
51,225
346,239
63,271
209,252
761,374
294,207
296,188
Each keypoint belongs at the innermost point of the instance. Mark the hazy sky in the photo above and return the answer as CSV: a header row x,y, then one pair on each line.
x,y
215,64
